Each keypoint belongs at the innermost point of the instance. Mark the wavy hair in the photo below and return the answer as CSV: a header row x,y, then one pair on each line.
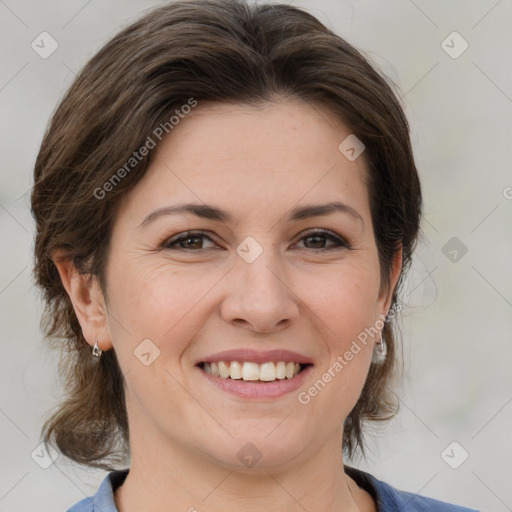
x,y
212,51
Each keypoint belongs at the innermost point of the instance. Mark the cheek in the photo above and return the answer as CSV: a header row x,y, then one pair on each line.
x,y
160,304
346,308
346,314
157,301
346,301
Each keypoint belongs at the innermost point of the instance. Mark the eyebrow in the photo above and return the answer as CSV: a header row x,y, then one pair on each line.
x,y
211,212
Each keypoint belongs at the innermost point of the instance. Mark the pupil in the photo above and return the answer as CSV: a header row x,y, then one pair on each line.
x,y
187,240
317,238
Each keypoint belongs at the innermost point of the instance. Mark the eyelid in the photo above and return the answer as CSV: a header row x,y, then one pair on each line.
x,y
327,233
184,235
340,241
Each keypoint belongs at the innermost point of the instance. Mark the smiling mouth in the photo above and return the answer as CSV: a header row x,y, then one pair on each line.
x,y
253,372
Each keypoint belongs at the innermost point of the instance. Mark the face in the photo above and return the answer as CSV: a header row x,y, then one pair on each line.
x,y
263,283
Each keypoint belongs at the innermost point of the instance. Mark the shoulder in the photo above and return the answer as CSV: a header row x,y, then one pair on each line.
x,y
390,499
103,499
414,502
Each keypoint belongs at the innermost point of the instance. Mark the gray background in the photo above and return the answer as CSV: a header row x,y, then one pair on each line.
x,y
457,307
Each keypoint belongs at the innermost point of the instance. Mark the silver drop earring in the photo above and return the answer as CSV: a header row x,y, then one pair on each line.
x,y
380,350
96,351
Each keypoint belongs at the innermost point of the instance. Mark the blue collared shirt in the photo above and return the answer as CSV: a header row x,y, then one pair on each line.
x,y
388,498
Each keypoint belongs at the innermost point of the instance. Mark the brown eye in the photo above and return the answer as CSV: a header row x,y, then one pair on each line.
x,y
318,238
191,240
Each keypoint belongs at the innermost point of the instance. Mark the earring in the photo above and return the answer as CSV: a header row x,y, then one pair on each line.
x,y
96,351
379,351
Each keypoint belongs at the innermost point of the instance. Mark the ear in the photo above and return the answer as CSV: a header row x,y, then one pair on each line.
x,y
87,299
386,292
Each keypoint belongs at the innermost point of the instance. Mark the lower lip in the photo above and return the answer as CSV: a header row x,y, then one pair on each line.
x,y
251,389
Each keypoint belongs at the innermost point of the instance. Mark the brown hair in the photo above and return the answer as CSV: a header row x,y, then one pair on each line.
x,y
211,51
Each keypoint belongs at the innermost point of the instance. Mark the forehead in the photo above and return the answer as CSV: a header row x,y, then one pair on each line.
x,y
289,126
277,154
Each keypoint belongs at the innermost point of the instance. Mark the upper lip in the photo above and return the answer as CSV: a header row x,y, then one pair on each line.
x,y
255,356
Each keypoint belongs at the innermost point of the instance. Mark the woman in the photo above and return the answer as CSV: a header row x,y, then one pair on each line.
x,y
226,204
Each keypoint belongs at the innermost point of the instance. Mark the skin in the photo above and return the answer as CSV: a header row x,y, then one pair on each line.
x,y
185,433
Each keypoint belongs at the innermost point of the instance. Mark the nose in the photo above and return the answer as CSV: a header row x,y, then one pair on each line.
x,y
259,296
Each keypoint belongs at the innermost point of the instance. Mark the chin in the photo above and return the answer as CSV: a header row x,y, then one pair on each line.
x,y
258,450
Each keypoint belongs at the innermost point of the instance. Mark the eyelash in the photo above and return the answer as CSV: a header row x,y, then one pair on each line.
x,y
341,243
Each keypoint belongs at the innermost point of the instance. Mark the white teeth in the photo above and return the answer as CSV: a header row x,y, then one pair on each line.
x,y
235,370
223,370
268,371
281,370
250,371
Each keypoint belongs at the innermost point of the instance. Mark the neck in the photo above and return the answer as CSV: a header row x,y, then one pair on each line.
x,y
177,479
